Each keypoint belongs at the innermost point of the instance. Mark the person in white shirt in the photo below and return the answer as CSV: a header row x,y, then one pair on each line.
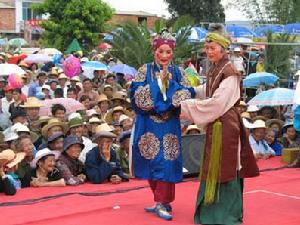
x,y
4,107
238,60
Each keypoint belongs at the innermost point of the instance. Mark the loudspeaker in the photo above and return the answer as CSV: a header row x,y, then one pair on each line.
x,y
192,148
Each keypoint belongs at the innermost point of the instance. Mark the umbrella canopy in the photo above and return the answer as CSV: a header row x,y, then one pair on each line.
x,y
70,104
7,69
94,65
50,51
197,34
71,66
292,28
16,59
274,97
244,40
239,31
104,46
38,58
73,47
123,68
108,37
17,42
3,41
261,31
255,79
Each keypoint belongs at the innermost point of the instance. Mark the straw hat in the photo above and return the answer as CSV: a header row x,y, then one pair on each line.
x,y
259,118
242,103
102,98
18,127
23,64
104,130
54,71
54,122
193,127
109,116
119,95
95,120
62,76
42,153
75,78
92,112
246,115
123,117
107,86
32,102
276,121
13,159
60,70
252,108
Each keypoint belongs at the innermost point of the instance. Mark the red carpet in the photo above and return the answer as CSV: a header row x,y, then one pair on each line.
x,y
272,198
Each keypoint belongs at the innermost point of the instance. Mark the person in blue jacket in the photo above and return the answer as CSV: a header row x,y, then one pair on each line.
x,y
156,93
101,163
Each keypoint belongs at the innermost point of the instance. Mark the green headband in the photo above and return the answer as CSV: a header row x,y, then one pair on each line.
x,y
218,38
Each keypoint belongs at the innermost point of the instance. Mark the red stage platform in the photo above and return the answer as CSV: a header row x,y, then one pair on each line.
x,y
272,198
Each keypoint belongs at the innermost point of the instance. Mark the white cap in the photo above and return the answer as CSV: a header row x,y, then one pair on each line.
x,y
237,49
74,115
91,112
18,127
46,86
84,59
252,108
123,117
10,136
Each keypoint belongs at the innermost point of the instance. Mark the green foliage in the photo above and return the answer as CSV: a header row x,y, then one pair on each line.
x,y
132,44
201,11
277,56
69,19
159,25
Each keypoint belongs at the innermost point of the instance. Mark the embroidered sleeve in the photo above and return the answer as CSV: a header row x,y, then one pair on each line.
x,y
141,74
143,98
180,96
184,78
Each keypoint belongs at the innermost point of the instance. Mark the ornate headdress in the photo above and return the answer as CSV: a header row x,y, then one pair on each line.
x,y
164,38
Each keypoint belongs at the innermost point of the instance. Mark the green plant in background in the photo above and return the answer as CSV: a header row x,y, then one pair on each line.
x,y
132,43
277,59
69,19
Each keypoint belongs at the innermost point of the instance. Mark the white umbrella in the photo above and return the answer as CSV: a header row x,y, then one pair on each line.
x,y
38,58
7,69
50,51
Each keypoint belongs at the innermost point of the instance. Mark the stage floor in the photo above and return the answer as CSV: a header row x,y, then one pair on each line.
x,y
271,198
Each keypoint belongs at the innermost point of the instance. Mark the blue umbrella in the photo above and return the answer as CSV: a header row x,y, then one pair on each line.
x,y
108,37
261,31
123,68
255,79
94,65
292,28
197,34
273,97
239,31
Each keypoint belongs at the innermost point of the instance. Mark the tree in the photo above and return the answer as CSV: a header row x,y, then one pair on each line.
x,y
269,11
69,19
132,43
201,11
277,59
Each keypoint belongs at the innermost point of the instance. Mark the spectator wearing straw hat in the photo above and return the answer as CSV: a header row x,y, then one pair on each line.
x,y
69,164
252,110
103,105
45,173
126,122
119,99
54,126
62,81
101,162
113,115
108,91
9,182
75,83
32,107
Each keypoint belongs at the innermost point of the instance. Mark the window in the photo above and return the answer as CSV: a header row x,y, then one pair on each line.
x,y
142,20
28,14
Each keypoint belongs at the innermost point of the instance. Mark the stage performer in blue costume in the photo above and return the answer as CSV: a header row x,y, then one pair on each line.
x,y
156,93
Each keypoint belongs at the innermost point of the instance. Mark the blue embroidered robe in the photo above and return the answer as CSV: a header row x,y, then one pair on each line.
x,y
156,150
